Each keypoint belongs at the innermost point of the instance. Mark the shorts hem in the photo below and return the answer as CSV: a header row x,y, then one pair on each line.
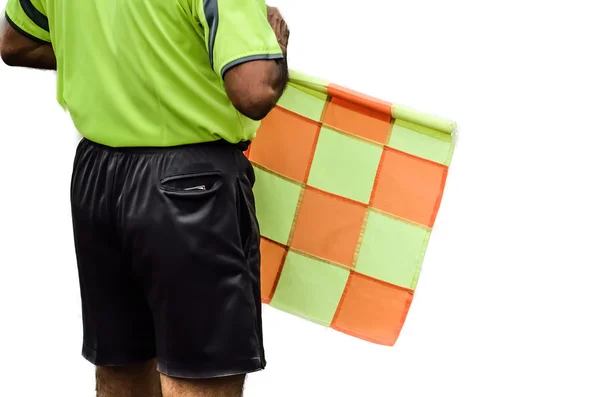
x,y
210,370
100,360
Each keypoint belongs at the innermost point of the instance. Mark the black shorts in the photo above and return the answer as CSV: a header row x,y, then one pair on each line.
x,y
167,245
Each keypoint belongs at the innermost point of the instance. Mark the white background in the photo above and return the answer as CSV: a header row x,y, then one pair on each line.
x,y
507,303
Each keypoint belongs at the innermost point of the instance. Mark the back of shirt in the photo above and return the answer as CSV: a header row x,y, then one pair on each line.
x,y
149,72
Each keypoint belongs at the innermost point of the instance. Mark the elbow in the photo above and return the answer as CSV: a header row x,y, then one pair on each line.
x,y
256,111
9,53
255,87
256,105
9,58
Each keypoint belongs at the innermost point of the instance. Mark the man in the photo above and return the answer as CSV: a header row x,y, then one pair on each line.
x,y
167,94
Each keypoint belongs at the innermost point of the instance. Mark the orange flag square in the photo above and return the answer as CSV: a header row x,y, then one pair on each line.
x,y
372,310
272,257
285,143
357,120
409,187
328,226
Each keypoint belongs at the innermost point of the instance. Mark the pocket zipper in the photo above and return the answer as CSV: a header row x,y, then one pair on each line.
x,y
199,187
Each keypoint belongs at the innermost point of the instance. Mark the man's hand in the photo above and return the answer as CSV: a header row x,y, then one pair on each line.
x,y
280,27
19,50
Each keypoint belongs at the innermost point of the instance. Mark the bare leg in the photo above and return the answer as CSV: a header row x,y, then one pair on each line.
x,y
230,386
130,381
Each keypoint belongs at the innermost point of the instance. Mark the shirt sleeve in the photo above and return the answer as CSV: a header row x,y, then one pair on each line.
x,y
236,31
29,18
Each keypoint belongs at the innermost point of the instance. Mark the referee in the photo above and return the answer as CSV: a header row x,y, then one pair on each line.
x,y
167,95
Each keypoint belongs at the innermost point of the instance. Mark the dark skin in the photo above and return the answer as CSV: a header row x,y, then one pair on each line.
x,y
129,381
19,50
280,27
253,87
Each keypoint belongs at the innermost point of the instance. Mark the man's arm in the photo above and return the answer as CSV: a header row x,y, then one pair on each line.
x,y
247,48
17,49
25,35
255,87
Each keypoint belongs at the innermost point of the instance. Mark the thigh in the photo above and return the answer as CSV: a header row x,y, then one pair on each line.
x,y
228,386
140,380
117,322
196,239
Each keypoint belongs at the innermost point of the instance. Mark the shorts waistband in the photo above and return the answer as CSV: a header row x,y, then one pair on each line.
x,y
242,146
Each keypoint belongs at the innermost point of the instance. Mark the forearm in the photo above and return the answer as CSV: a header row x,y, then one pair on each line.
x,y
278,79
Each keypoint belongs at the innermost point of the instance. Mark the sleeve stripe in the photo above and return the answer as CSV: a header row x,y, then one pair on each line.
x,y
35,15
24,33
249,59
211,12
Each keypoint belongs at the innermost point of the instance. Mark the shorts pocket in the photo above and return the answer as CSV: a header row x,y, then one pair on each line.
x,y
192,184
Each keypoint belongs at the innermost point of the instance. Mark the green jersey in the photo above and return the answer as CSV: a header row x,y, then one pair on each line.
x,y
150,73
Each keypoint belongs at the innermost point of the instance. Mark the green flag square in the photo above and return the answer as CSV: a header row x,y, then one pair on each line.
x,y
310,288
344,165
421,142
392,250
304,103
276,203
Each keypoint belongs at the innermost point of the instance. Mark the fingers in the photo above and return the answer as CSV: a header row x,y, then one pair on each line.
x,y
276,19
274,16
279,26
285,28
